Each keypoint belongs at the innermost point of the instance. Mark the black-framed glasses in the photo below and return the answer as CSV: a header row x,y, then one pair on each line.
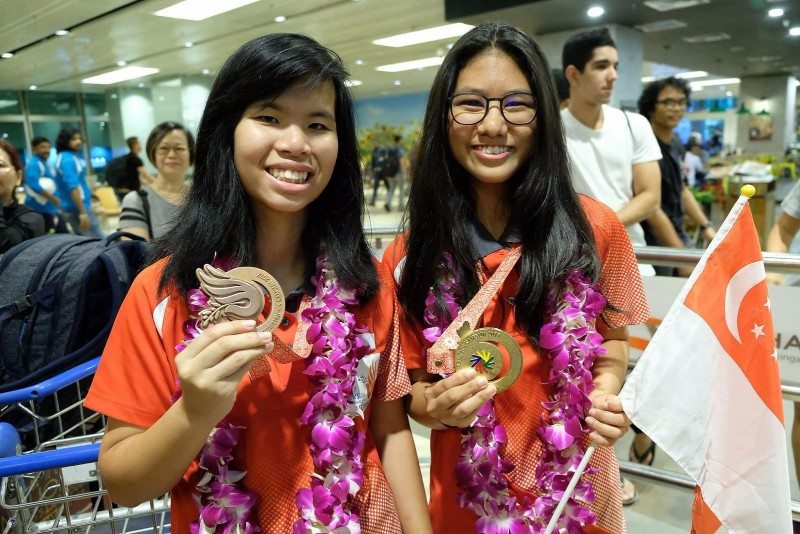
x,y
673,103
471,108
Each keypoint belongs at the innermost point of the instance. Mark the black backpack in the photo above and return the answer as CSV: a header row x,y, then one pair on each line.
x,y
116,172
392,166
59,295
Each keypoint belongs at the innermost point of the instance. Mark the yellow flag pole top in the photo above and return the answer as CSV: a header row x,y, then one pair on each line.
x,y
748,190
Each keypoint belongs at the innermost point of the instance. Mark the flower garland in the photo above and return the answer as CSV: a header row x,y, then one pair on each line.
x,y
572,344
336,443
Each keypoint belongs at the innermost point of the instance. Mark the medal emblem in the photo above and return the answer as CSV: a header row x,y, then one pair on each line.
x,y
481,350
240,294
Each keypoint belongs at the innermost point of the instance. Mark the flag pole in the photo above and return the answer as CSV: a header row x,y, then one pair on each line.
x,y
570,488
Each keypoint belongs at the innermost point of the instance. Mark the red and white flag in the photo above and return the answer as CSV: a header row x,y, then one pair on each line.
x,y
707,388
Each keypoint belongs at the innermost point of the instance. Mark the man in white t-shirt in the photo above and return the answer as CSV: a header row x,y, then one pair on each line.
x,y
614,154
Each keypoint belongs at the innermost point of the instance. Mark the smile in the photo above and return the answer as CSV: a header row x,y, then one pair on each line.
x,y
285,175
493,150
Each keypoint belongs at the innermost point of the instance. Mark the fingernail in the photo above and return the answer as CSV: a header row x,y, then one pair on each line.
x,y
592,412
590,419
492,390
266,336
249,323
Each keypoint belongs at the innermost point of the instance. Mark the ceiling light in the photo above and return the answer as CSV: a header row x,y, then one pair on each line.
x,y
696,87
359,62
206,71
120,75
647,79
6,55
353,83
794,32
200,9
397,82
728,93
692,74
410,65
595,11
709,83
280,18
121,63
62,33
425,36
775,12
33,87
188,44
140,84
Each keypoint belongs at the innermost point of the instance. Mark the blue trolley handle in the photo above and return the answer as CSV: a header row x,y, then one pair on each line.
x,y
55,459
50,385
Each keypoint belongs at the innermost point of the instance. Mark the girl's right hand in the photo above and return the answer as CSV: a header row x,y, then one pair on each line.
x,y
454,401
211,367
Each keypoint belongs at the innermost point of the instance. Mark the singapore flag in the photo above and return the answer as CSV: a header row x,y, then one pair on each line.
x,y
707,389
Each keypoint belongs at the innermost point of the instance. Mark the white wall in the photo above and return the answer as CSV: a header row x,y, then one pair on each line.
x,y
779,93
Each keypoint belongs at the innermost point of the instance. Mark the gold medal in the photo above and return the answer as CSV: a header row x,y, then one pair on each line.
x,y
480,349
239,294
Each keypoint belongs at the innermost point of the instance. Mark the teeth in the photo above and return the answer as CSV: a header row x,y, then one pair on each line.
x,y
494,149
285,175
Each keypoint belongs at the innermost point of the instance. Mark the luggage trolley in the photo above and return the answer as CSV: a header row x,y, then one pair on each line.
x,y
48,464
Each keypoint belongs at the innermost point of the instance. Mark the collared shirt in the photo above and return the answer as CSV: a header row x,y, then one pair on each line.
x,y
484,243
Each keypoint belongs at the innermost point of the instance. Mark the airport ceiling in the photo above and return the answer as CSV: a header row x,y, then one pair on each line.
x,y
105,32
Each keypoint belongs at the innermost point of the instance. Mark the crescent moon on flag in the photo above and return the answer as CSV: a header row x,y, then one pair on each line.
x,y
742,282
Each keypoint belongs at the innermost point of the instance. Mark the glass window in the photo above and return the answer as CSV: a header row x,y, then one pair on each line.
x,y
14,133
94,104
9,103
42,103
99,143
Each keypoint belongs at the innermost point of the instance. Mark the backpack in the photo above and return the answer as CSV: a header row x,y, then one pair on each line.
x,y
116,172
392,165
59,295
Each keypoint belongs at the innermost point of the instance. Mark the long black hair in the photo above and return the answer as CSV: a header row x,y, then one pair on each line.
x,y
543,207
64,138
218,218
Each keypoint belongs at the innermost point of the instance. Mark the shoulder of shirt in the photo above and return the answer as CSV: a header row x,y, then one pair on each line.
x,y
395,251
147,281
133,201
600,217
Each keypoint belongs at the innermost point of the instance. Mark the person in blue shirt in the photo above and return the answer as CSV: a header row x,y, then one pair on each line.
x,y
40,187
73,190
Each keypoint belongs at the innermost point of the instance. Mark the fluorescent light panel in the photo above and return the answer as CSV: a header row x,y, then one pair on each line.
x,y
712,83
425,36
692,74
120,75
353,83
201,9
410,65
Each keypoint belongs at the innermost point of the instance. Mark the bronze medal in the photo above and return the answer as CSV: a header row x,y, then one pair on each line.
x,y
480,349
239,294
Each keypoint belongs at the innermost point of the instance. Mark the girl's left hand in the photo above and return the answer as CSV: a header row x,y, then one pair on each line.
x,y
607,420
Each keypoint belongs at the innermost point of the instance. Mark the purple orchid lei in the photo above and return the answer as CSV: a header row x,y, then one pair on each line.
x,y
336,444
572,344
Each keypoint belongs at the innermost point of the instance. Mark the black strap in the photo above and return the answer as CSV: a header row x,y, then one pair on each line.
x,y
43,296
146,207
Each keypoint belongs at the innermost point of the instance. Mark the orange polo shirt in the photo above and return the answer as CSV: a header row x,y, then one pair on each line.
x,y
137,377
520,407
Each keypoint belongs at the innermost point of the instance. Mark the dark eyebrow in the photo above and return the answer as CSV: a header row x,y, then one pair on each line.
x,y
322,113
483,93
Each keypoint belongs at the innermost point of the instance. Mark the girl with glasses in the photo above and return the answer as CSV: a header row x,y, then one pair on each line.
x,y
151,211
491,199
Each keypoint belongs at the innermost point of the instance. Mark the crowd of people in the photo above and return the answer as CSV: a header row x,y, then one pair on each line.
x,y
527,193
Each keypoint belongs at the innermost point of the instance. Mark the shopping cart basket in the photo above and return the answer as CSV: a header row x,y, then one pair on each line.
x,y
53,485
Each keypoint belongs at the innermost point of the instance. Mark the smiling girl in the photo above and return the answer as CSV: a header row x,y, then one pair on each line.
x,y
296,442
491,198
